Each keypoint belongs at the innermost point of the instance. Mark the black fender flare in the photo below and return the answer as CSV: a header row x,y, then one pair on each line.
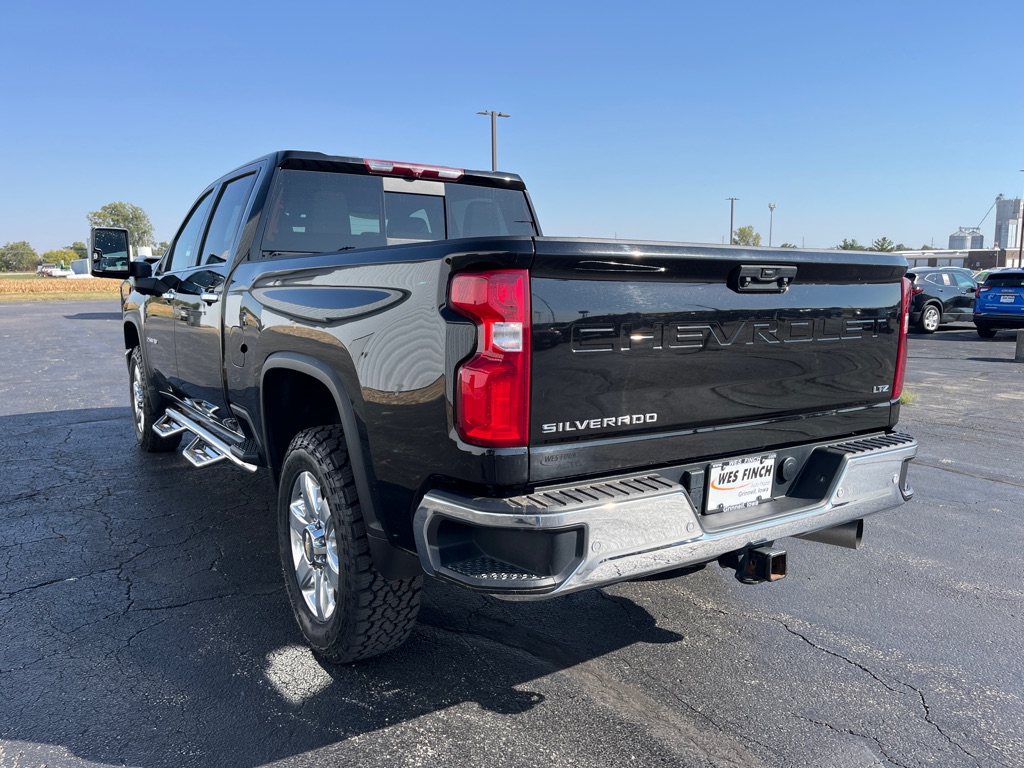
x,y
391,561
134,319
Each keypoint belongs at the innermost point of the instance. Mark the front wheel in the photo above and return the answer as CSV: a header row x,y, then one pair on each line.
x,y
146,409
930,319
345,608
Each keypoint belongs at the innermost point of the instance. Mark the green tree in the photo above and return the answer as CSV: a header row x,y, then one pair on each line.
x,y
161,248
850,245
902,247
789,245
79,248
882,244
746,236
18,257
131,217
62,257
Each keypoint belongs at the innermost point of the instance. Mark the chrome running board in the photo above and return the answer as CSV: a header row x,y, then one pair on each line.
x,y
206,448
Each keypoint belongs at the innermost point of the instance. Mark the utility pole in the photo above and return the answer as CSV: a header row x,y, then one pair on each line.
x,y
1020,233
732,211
494,134
771,220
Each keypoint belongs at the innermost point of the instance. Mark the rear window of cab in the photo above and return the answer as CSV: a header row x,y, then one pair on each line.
x,y
322,212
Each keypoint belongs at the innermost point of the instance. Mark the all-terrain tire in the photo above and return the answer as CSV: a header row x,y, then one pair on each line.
x,y
345,608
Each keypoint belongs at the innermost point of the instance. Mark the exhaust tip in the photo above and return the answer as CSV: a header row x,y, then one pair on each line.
x,y
847,535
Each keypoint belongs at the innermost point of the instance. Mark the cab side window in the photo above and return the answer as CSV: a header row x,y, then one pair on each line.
x,y
184,253
963,280
223,227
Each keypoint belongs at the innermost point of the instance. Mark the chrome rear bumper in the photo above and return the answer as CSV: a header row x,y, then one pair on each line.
x,y
605,532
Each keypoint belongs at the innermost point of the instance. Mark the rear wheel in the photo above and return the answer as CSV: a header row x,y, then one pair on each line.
x,y
346,609
930,319
985,332
146,408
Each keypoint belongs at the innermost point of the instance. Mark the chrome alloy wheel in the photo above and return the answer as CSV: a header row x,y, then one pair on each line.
x,y
138,400
931,319
314,544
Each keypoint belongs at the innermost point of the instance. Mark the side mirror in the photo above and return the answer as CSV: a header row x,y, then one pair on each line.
x,y
140,268
109,253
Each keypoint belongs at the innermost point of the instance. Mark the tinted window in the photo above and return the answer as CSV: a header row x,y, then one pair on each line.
x,y
226,217
184,252
1006,280
485,212
964,280
321,212
414,217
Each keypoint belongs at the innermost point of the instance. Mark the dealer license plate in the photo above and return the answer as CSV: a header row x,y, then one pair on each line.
x,y
740,483
1006,299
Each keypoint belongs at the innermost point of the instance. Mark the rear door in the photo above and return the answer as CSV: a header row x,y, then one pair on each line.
x,y
942,284
966,290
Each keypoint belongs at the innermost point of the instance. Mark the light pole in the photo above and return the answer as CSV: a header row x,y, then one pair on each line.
x,y
732,211
771,220
494,135
1020,234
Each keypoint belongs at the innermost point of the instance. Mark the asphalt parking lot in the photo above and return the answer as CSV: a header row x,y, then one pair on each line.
x,y
143,618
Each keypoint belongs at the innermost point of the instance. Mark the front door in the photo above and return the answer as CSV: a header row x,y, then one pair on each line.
x,y
163,311
198,337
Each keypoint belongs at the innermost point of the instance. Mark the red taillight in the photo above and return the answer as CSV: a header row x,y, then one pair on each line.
x,y
983,288
492,400
916,290
901,350
414,170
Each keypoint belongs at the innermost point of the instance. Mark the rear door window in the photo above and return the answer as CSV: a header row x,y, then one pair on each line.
x,y
220,235
964,280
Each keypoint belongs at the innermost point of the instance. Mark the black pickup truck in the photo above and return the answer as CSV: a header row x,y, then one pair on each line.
x,y
435,388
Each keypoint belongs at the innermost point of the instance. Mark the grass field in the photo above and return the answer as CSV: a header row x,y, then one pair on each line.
x,y
28,287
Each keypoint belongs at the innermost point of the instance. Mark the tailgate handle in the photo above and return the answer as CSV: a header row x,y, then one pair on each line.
x,y
762,278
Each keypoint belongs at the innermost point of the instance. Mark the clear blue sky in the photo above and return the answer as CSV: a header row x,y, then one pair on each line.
x,y
633,120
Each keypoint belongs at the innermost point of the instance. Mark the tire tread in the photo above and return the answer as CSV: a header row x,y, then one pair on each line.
x,y
379,615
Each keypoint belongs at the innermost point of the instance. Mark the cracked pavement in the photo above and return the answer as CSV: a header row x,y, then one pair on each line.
x,y
143,619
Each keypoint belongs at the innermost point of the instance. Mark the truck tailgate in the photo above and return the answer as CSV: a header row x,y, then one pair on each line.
x,y
638,339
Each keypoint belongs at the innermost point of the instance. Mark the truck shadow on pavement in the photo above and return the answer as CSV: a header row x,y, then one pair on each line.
x,y
94,316
143,618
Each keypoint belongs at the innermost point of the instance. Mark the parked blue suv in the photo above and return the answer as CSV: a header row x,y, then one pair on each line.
x,y
1000,302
